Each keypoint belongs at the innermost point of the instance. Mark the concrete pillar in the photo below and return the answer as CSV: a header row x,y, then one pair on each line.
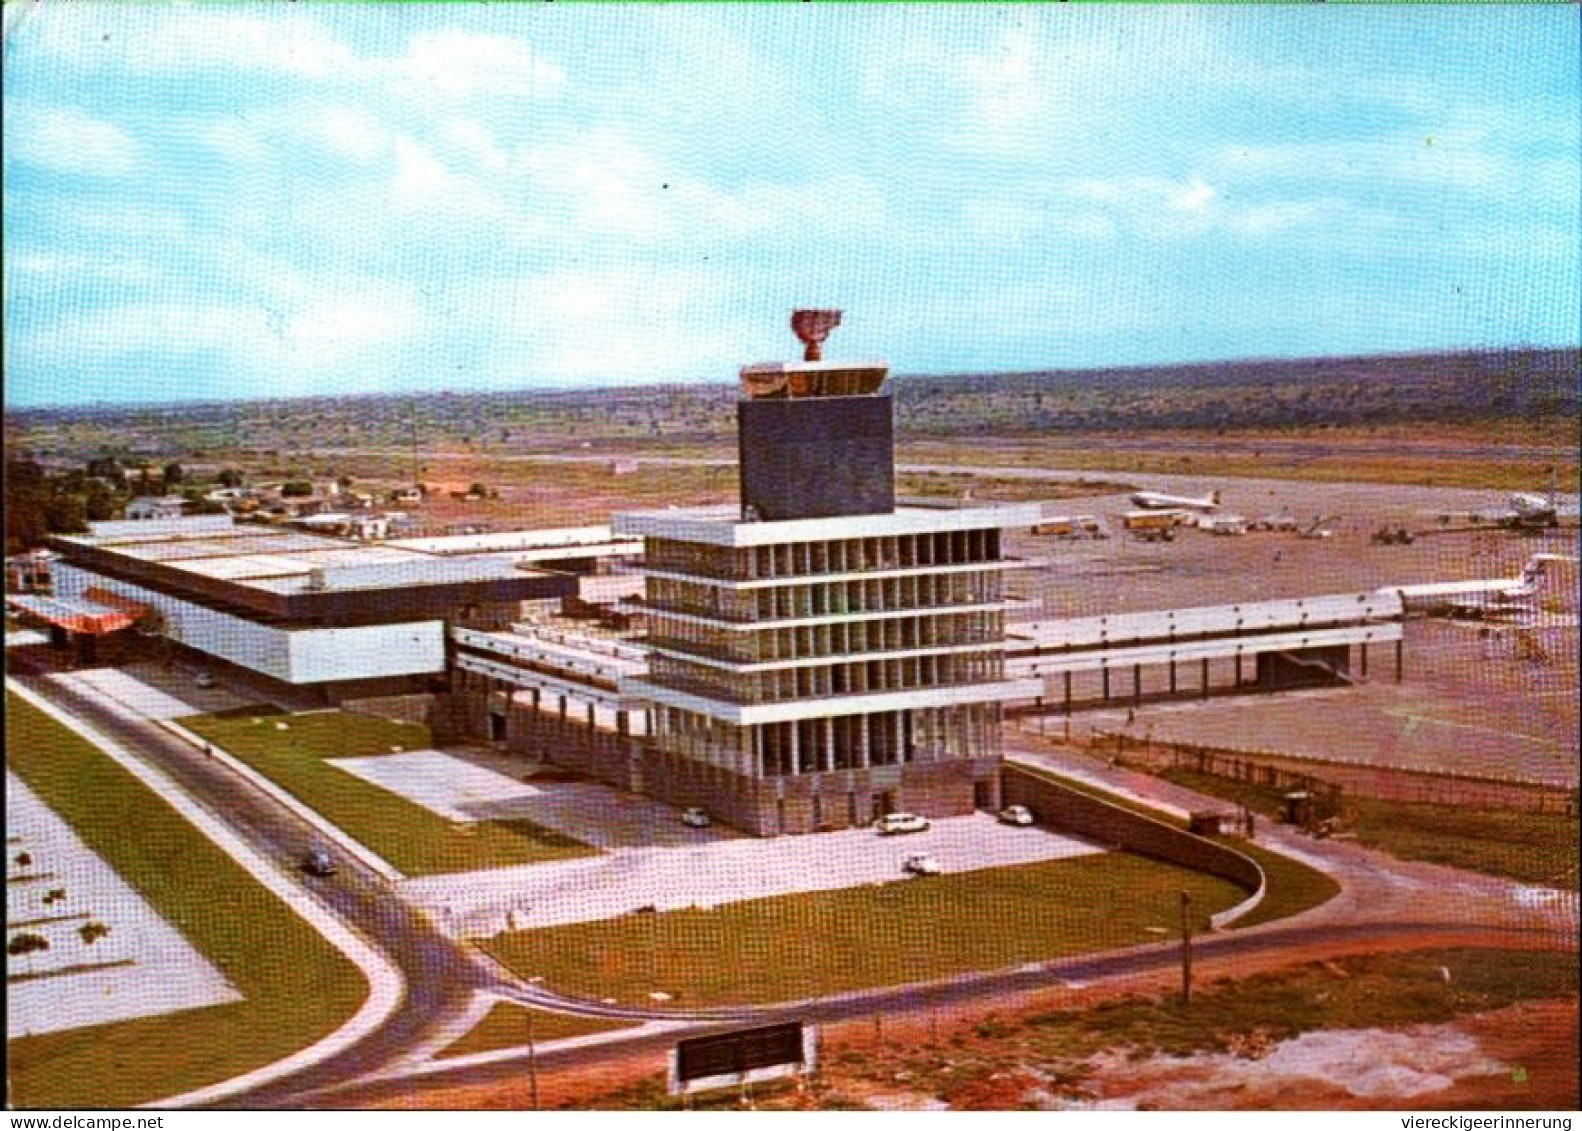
x,y
827,763
864,758
1204,688
1172,675
1238,667
590,716
900,739
1105,672
1400,659
757,739
563,708
1137,683
1068,692
796,747
1364,653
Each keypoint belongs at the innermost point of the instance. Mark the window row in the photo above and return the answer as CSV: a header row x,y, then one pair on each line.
x,y
846,638
837,555
826,598
861,677
845,742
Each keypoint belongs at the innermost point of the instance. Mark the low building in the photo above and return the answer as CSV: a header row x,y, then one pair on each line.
x,y
146,508
324,616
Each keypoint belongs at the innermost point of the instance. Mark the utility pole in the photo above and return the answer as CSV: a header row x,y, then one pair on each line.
x,y
532,1063
1186,948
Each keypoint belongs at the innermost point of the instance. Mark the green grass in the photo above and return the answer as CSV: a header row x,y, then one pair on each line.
x,y
1540,848
296,987
413,839
1290,886
810,944
509,1026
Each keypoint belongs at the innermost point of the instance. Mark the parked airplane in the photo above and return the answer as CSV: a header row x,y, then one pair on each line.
x,y
1156,500
1502,597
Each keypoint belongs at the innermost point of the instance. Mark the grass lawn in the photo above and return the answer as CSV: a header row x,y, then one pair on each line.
x,y
1290,886
415,840
509,1026
790,947
296,987
1540,848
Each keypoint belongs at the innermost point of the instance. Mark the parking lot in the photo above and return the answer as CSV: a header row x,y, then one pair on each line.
x,y
717,869
110,957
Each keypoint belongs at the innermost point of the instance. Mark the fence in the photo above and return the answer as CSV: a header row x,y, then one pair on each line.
x,y
1327,778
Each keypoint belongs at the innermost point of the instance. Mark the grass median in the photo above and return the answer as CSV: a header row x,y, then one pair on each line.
x,y
509,1026
292,751
813,944
296,987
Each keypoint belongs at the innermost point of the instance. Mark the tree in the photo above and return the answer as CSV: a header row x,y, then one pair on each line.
x,y
174,474
230,477
296,489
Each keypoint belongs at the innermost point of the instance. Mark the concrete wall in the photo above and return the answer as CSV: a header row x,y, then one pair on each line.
x,y
1069,810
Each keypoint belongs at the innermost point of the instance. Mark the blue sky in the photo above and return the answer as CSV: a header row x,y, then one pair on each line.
x,y
220,201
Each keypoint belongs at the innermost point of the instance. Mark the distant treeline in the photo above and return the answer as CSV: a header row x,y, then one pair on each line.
x,y
1529,386
1522,385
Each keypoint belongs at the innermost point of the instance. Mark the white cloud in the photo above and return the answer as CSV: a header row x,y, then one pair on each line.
x,y
459,63
352,132
69,141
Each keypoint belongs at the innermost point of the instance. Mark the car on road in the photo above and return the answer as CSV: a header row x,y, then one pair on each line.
x,y
318,862
1016,815
893,823
204,679
921,864
695,818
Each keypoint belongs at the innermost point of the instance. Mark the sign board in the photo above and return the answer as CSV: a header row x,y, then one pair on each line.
x,y
742,1056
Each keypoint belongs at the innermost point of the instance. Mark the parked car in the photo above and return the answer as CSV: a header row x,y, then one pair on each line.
x,y
1016,815
921,864
892,823
318,862
695,818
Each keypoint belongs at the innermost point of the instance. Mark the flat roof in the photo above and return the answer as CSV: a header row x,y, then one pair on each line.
x,y
295,561
723,525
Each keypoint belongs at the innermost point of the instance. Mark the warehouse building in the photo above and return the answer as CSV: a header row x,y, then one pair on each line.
x,y
328,617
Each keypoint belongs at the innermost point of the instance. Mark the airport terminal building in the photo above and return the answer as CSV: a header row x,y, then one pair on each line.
x,y
818,656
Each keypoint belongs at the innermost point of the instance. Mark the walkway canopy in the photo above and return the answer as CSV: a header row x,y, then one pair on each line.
x,y
74,614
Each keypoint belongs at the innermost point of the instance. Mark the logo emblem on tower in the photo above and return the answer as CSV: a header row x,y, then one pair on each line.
x,y
811,328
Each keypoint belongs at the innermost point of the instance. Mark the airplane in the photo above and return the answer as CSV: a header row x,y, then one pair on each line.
x,y
1525,511
1156,500
1504,597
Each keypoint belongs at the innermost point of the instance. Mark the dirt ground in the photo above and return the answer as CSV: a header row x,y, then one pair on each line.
x,y
1523,1057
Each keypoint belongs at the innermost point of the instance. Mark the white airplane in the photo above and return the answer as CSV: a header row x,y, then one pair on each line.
x,y
1482,599
1156,501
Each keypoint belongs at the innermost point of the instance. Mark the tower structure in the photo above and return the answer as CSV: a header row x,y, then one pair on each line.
x,y
819,656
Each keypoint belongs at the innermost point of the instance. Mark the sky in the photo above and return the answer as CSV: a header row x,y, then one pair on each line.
x,y
219,201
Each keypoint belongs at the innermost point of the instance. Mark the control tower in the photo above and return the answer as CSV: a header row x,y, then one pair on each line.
x,y
818,656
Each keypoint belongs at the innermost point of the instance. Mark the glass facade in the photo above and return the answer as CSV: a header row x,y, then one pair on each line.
x,y
820,620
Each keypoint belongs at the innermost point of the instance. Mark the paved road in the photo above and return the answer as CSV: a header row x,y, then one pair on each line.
x,y
440,974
